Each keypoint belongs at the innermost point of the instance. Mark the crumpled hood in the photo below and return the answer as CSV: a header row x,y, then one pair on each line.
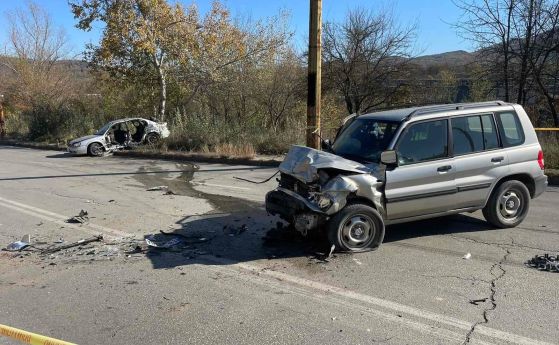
x,y
303,163
87,137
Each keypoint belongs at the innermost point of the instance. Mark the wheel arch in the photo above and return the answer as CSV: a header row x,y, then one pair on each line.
x,y
96,142
526,179
356,199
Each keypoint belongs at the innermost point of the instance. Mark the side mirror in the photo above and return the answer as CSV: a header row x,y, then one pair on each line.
x,y
326,144
389,158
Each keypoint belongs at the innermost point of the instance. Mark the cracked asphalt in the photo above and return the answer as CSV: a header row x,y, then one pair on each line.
x,y
238,279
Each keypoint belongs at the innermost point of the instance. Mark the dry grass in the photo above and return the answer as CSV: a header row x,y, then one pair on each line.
x,y
239,150
550,146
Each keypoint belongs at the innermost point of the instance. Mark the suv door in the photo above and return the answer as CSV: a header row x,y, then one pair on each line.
x,y
478,157
423,181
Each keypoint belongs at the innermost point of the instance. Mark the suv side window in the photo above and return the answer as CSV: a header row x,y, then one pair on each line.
x,y
490,139
474,134
423,141
510,129
467,136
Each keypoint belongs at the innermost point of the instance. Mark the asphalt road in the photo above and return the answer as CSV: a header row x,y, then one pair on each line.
x,y
239,279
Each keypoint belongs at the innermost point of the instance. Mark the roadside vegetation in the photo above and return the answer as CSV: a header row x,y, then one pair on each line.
x,y
236,86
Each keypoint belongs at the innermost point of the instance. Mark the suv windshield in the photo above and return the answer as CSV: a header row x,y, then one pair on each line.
x,y
364,140
103,129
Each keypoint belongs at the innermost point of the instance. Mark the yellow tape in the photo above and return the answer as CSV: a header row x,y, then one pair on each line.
x,y
546,129
30,338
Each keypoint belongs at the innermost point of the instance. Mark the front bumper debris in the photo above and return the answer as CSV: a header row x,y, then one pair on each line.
x,y
286,204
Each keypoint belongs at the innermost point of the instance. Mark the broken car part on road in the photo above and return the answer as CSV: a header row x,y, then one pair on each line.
x,y
19,245
81,218
544,262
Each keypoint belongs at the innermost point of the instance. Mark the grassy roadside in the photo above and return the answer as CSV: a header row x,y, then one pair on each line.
x,y
231,157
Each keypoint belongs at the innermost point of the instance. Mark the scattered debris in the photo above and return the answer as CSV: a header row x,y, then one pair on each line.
x,y
60,240
112,200
189,239
544,262
81,218
234,231
331,251
73,244
19,245
467,256
156,188
478,301
169,192
152,241
357,261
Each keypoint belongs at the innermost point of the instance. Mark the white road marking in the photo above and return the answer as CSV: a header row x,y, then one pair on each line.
x,y
61,219
218,185
372,304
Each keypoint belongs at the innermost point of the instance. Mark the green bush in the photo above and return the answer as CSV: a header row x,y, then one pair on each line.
x,y
199,133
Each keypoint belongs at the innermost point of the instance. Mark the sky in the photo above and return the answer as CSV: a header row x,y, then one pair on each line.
x,y
434,35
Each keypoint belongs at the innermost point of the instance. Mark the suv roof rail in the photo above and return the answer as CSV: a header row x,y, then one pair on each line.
x,y
452,106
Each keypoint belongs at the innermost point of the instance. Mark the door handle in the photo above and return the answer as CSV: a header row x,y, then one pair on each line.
x,y
444,168
497,159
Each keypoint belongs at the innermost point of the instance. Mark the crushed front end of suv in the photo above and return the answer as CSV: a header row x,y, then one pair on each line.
x,y
119,134
408,164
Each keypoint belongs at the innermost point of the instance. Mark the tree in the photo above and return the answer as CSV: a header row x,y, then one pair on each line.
x,y
141,39
489,25
35,48
544,57
365,58
520,36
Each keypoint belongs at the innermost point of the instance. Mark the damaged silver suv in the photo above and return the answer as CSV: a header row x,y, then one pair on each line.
x,y
408,164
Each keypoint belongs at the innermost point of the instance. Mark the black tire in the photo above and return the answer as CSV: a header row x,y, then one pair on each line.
x,y
508,205
152,138
356,228
95,150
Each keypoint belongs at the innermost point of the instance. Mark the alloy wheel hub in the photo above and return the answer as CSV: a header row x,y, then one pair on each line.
x,y
509,204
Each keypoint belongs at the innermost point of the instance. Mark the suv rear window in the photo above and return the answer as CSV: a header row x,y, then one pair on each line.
x,y
510,129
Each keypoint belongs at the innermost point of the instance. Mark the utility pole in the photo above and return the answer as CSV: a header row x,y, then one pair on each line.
x,y
314,75
2,118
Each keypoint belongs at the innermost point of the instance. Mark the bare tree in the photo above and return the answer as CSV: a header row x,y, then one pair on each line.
x,y
365,57
489,25
34,49
544,59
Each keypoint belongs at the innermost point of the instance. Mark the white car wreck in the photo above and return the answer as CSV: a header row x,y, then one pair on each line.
x,y
119,134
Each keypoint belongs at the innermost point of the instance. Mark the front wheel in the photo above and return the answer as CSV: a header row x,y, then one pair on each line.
x,y
356,228
95,150
508,205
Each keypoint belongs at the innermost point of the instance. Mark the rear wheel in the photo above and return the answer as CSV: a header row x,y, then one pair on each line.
x,y
356,228
508,205
95,150
152,138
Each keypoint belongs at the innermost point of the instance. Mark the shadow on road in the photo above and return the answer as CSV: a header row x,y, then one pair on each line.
x,y
248,236
240,230
61,155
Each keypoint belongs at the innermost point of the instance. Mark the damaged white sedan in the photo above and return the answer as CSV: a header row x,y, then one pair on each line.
x,y
408,164
119,134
